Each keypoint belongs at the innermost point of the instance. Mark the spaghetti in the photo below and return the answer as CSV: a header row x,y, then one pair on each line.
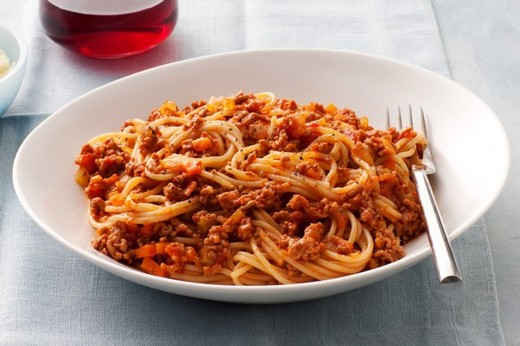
x,y
252,190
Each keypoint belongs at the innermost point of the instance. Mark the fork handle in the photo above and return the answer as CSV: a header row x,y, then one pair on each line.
x,y
443,258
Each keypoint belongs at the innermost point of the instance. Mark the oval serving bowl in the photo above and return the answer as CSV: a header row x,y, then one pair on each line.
x,y
44,168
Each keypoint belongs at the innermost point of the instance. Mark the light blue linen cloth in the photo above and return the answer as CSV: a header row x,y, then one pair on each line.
x,y
48,295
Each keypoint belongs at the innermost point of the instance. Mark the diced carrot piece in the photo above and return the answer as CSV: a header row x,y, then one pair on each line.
x,y
191,254
363,122
151,267
168,108
202,143
331,108
148,250
193,167
160,248
188,190
228,106
148,265
117,200
87,162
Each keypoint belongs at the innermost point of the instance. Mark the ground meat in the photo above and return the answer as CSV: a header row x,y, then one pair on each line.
x,y
248,102
97,208
198,104
106,159
382,257
310,169
134,170
112,164
258,130
173,192
308,247
380,142
287,104
151,140
205,220
348,116
278,141
100,187
213,254
208,195
241,98
113,241
313,211
262,198
245,229
264,148
229,200
321,147
299,213
290,221
197,120
339,245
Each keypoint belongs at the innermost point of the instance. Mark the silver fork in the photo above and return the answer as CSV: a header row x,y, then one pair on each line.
x,y
442,252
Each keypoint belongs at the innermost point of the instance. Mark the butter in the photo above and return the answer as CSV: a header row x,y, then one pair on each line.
x,y
5,64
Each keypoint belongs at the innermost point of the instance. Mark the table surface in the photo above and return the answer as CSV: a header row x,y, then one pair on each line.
x,y
480,42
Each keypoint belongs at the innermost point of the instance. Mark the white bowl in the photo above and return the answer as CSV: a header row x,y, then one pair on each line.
x,y
10,83
459,122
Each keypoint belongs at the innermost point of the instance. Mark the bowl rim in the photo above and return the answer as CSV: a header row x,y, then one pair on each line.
x,y
19,64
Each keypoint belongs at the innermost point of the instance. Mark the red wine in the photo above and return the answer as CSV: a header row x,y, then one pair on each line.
x,y
108,32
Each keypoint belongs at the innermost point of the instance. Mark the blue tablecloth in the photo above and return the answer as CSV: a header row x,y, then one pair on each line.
x,y
48,295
